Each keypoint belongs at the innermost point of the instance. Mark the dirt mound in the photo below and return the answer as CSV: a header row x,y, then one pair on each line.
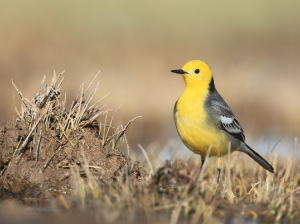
x,y
42,150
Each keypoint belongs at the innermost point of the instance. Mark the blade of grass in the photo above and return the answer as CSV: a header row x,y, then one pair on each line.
x,y
147,159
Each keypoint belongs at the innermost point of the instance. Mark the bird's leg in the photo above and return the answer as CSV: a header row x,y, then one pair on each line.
x,y
202,162
219,169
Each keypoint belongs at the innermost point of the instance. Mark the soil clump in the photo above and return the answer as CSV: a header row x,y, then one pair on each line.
x,y
46,144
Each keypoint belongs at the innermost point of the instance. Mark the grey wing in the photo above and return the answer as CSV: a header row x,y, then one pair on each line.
x,y
227,120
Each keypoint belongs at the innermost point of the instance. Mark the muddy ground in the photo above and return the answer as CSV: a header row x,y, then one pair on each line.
x,y
48,172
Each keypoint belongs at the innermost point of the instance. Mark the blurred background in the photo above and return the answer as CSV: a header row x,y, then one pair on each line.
x,y
252,48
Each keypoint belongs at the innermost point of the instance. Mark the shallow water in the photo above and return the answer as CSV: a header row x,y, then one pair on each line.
x,y
263,145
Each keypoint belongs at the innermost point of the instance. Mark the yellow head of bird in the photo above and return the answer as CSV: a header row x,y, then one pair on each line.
x,y
195,72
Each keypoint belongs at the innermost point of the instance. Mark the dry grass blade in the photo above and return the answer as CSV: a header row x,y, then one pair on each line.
x,y
148,160
201,172
66,123
91,82
112,121
41,86
55,80
38,146
90,97
20,94
61,81
32,130
93,187
96,116
95,104
127,125
287,173
112,136
294,163
19,115
272,150
15,151
175,214
79,104
59,124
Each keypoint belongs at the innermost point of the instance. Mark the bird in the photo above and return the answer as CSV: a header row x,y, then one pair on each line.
x,y
204,121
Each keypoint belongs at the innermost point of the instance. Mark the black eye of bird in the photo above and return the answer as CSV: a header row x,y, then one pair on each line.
x,y
197,71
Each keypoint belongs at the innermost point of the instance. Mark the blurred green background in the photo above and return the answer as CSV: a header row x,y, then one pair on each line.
x,y
253,49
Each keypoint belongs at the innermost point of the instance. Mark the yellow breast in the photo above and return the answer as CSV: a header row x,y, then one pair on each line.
x,y
193,127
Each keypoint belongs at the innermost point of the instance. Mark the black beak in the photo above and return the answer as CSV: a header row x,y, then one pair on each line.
x,y
179,71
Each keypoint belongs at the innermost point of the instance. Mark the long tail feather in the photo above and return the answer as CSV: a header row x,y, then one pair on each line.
x,y
257,158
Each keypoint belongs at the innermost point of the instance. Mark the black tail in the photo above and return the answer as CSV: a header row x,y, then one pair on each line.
x,y
257,158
